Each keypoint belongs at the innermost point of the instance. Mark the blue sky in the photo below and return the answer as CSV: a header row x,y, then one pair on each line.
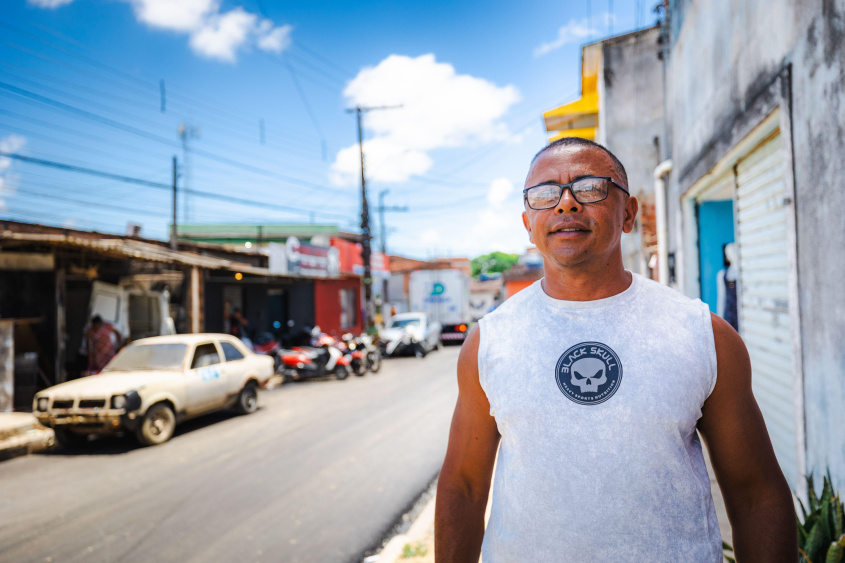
x,y
80,85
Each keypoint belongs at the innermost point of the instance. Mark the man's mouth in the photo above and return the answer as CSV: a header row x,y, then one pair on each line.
x,y
569,232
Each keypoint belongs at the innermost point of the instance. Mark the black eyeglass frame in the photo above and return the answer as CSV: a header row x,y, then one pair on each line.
x,y
569,185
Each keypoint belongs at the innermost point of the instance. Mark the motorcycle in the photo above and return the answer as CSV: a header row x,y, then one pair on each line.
x,y
351,345
321,359
268,345
373,352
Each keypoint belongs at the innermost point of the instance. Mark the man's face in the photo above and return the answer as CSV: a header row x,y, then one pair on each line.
x,y
598,226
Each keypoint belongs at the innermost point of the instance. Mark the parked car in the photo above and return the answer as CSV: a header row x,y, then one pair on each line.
x,y
410,333
152,385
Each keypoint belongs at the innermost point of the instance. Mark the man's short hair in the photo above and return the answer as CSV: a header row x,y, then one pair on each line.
x,y
586,143
96,320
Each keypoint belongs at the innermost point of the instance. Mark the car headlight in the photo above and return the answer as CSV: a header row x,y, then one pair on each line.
x,y
42,403
118,402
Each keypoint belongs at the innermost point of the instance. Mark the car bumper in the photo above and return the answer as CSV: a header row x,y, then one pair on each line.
x,y
103,422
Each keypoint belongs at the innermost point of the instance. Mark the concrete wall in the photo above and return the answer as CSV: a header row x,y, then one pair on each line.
x,y
818,101
631,125
725,58
632,110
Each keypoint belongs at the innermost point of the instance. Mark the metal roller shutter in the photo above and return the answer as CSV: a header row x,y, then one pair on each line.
x,y
764,320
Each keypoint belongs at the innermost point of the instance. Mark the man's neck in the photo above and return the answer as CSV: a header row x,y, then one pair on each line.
x,y
585,282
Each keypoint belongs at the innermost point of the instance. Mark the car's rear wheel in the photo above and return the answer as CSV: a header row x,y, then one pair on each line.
x,y
341,372
247,399
157,425
69,439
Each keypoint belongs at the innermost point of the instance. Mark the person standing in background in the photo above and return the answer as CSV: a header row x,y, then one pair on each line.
x,y
101,348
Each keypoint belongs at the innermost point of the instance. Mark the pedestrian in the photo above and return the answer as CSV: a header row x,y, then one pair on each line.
x,y
101,348
237,323
598,383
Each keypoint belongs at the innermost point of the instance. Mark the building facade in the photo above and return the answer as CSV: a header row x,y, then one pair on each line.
x,y
745,154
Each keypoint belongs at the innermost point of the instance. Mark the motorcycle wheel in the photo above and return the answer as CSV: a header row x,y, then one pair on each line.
x,y
341,372
374,361
359,368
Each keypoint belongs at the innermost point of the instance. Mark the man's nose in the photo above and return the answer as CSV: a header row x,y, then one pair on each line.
x,y
567,203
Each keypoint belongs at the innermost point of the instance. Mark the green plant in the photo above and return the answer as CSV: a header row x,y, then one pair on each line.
x,y
417,549
821,538
726,547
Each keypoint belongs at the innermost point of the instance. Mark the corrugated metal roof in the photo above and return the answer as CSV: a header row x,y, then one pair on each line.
x,y
131,248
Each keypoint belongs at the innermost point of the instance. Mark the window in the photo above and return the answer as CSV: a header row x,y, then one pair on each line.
x,y
231,351
138,357
205,355
348,313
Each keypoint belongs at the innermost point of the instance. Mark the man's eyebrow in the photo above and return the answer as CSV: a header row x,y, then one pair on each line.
x,y
582,176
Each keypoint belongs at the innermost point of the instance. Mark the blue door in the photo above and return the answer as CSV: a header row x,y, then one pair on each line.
x,y
715,229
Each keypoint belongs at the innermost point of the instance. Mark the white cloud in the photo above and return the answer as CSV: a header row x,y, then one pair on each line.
x,y
440,108
574,31
175,15
272,39
499,191
212,34
221,36
49,3
430,237
8,179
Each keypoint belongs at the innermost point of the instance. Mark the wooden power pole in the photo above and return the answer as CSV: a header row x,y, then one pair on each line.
x,y
366,237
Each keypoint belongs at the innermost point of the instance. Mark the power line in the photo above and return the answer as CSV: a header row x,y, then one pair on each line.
x,y
154,137
160,185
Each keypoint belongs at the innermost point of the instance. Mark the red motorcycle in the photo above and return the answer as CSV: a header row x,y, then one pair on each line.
x,y
305,362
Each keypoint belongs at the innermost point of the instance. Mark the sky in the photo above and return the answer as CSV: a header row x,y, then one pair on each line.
x,y
98,96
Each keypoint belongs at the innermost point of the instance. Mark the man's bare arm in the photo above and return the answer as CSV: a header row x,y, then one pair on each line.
x,y
757,497
464,482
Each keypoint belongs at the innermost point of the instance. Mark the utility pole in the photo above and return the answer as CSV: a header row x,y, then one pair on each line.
x,y
366,250
381,209
173,231
186,132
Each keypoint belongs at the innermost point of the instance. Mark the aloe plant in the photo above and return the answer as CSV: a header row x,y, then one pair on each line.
x,y
821,538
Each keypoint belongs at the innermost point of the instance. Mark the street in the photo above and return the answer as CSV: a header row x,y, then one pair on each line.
x,y
319,473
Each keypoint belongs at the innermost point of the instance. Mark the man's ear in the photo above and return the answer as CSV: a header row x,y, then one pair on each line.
x,y
631,208
527,224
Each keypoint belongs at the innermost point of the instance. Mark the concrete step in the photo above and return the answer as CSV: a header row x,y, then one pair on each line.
x,y
21,434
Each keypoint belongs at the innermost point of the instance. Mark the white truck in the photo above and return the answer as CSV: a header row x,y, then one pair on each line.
x,y
444,296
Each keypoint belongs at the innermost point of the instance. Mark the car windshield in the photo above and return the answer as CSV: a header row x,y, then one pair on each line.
x,y
143,357
401,323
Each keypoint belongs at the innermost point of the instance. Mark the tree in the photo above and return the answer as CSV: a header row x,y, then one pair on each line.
x,y
493,263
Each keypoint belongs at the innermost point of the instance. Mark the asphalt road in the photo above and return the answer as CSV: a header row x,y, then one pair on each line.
x,y
319,473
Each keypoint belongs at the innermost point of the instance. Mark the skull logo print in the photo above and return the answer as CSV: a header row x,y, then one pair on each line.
x,y
589,373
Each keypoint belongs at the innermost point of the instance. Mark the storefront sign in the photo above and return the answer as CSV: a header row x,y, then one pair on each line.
x,y
309,260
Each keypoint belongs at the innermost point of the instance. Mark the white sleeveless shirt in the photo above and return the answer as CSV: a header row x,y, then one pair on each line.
x,y
597,404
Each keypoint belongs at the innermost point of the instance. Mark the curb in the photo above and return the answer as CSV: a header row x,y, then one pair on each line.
x,y
28,441
392,552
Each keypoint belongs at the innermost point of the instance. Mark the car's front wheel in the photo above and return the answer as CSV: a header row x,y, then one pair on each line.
x,y
157,425
248,399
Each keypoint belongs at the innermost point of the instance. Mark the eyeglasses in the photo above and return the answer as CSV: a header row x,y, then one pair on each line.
x,y
588,189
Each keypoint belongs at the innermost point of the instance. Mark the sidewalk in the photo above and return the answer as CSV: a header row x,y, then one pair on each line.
x,y
20,434
417,544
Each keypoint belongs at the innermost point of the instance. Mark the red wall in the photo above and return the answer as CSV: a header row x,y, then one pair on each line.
x,y
327,305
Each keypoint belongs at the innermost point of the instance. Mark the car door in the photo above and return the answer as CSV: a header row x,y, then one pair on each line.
x,y
233,367
206,385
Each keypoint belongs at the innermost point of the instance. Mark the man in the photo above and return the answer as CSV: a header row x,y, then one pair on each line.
x,y
596,380
101,349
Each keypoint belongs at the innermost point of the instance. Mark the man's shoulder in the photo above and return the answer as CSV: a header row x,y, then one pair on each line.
x,y
657,291
512,304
